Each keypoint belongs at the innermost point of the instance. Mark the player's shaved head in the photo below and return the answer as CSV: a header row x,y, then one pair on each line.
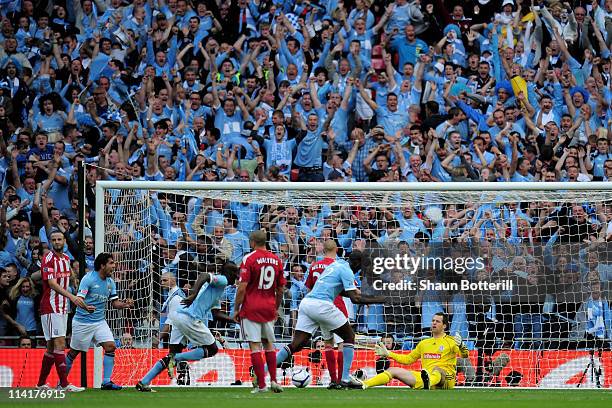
x,y
258,239
330,248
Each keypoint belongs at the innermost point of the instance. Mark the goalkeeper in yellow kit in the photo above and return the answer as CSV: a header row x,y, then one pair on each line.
x,y
438,356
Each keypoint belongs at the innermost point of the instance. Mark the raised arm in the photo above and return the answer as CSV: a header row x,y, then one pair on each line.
x,y
366,96
383,20
389,70
314,94
367,162
348,92
152,157
244,111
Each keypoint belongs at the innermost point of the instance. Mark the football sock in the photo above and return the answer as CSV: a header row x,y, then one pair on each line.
x,y
258,367
153,372
339,364
69,361
108,363
191,355
330,358
271,363
348,352
434,378
60,366
380,379
47,362
282,355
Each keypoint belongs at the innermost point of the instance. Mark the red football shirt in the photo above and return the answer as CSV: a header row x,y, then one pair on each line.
x,y
316,270
263,273
54,266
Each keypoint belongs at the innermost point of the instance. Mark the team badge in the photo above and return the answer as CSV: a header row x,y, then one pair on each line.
x,y
441,348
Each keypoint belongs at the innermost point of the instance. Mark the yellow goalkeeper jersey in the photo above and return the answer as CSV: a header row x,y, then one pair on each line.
x,y
441,352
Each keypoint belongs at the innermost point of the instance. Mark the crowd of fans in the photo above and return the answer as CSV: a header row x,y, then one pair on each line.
x,y
356,91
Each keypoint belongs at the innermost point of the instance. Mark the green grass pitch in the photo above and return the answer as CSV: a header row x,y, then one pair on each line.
x,y
322,398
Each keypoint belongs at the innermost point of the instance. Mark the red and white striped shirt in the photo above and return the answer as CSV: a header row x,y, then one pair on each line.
x,y
56,267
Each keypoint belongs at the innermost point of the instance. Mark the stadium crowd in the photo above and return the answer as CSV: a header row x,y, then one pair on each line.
x,y
356,91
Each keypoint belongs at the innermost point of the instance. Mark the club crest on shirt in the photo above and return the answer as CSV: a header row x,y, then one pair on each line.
x,y
441,348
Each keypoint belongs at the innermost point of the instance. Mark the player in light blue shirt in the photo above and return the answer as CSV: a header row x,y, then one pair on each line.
x,y
191,319
208,298
336,278
97,288
318,311
96,292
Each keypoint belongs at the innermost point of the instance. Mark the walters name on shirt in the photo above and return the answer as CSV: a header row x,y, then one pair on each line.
x,y
267,261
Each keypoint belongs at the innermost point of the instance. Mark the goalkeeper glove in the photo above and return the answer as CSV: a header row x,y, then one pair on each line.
x,y
458,339
381,350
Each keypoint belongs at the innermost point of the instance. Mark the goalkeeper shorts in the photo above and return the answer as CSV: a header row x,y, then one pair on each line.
x,y
449,384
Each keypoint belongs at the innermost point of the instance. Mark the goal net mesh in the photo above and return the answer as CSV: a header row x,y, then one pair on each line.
x,y
523,276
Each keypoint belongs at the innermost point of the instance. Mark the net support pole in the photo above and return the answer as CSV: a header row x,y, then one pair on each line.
x,y
98,360
81,253
99,247
99,234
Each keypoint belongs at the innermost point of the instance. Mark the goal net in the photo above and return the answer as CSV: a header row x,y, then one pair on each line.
x,y
523,270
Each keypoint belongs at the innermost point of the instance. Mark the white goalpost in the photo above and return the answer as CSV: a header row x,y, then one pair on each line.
x,y
523,270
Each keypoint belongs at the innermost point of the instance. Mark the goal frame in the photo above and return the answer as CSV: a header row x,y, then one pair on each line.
x,y
441,187
102,185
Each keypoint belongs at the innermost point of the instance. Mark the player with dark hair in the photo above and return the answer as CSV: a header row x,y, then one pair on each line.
x,y
317,310
97,288
190,321
258,297
334,365
55,269
438,356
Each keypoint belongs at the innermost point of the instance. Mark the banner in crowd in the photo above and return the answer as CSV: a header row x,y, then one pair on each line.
x,y
559,369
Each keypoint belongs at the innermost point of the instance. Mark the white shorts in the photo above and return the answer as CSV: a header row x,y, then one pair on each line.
x,y
194,330
54,325
176,337
83,334
315,313
255,331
